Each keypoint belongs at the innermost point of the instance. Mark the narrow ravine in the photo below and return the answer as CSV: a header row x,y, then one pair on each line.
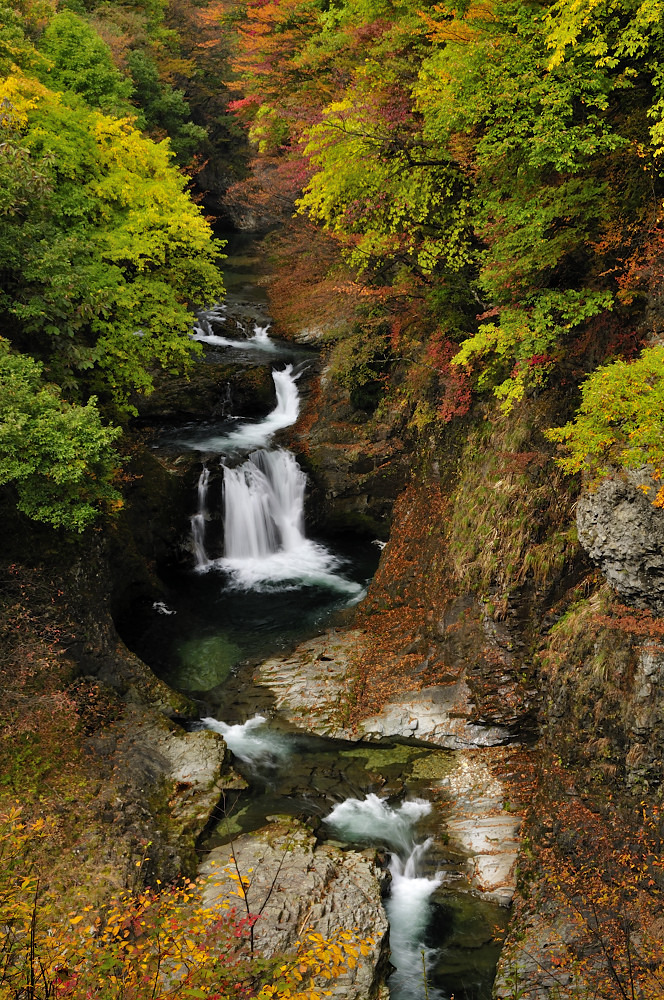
x,y
256,584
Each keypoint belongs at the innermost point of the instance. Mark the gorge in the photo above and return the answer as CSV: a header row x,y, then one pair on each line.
x,y
268,567
330,617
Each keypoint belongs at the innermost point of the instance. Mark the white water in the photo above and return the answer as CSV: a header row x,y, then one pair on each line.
x,y
198,523
372,820
408,909
264,541
250,741
204,332
249,436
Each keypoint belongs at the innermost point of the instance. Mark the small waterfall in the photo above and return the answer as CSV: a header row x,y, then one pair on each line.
x,y
203,331
198,523
248,436
264,506
250,741
264,542
372,821
408,910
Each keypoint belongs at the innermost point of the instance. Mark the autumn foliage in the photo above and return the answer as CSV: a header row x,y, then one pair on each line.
x,y
142,943
597,900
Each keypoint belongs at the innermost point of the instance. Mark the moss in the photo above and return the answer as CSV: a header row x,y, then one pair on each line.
x,y
435,765
511,511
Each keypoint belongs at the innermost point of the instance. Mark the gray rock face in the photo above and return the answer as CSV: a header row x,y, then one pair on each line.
x,y
479,821
624,534
164,786
305,888
309,684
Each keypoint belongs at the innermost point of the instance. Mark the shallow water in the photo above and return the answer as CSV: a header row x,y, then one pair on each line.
x,y
374,795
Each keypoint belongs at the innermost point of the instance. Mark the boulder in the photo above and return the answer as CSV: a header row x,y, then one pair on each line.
x,y
299,888
623,533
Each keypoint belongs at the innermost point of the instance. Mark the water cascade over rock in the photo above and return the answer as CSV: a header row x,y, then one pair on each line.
x,y
251,741
265,544
204,332
373,821
257,435
198,521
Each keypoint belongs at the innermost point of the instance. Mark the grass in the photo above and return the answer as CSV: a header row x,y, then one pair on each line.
x,y
511,512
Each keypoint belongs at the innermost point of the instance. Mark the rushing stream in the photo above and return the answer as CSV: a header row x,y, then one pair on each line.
x,y
257,584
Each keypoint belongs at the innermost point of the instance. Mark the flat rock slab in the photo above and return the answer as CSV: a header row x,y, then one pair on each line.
x,y
437,714
304,888
310,686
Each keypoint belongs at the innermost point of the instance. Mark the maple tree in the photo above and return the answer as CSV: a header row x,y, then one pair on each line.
x,y
503,153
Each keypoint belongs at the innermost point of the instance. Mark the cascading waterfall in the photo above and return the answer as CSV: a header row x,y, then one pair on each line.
x,y
198,522
251,741
265,545
203,331
373,821
408,910
263,506
249,436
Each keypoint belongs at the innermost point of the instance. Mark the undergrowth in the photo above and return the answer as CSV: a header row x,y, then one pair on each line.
x,y
510,515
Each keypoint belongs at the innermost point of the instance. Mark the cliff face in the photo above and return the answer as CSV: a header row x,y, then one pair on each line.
x,y
488,619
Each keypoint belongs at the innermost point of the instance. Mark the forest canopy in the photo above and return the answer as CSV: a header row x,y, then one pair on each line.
x,y
492,169
490,174
103,254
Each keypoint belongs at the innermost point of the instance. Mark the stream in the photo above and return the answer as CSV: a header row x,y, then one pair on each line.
x,y
257,583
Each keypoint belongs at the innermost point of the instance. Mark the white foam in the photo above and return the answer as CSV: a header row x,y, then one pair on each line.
x,y
408,907
249,436
203,332
373,820
265,546
251,741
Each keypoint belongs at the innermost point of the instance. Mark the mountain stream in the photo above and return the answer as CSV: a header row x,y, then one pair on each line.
x,y
257,584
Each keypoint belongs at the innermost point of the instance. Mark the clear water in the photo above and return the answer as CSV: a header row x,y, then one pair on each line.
x,y
374,795
208,627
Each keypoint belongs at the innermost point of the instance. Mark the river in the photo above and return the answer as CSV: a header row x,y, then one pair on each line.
x,y
256,582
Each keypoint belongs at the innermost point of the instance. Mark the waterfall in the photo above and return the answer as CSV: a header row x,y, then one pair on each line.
x,y
408,910
250,741
198,523
265,546
372,821
248,436
203,331
264,506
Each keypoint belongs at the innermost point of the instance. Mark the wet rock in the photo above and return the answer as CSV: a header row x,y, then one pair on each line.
x,y
166,783
480,824
300,888
358,464
213,390
624,535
